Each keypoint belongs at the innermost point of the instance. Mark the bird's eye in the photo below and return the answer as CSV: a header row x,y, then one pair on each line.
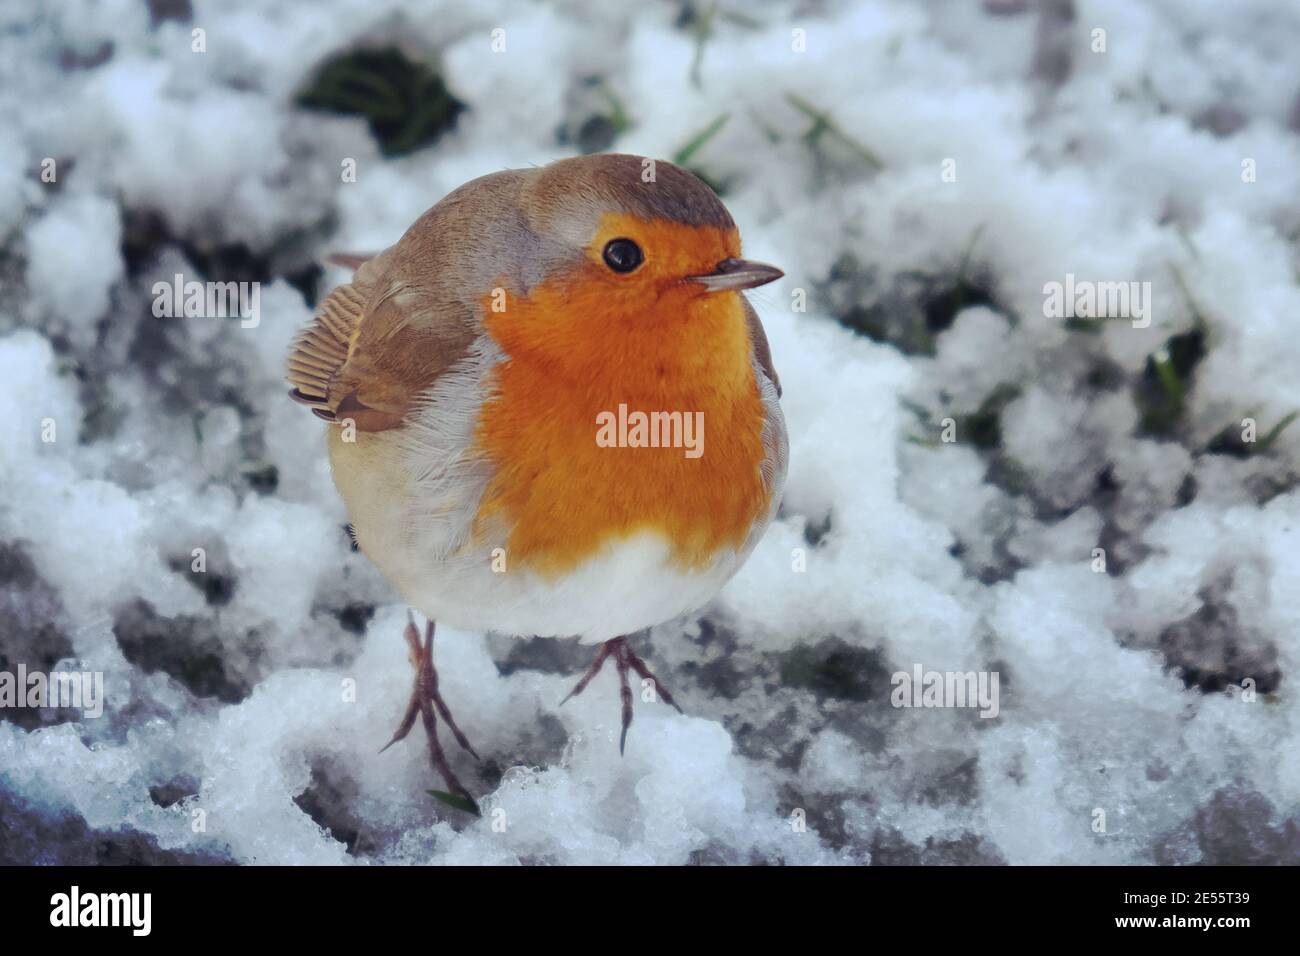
x,y
622,255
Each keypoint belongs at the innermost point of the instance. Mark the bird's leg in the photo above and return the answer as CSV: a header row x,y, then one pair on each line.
x,y
425,697
625,660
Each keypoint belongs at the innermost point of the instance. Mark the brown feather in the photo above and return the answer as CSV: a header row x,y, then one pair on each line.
x,y
321,349
758,341
348,260
378,343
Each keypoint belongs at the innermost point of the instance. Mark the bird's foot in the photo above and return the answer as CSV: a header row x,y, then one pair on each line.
x,y
425,700
625,660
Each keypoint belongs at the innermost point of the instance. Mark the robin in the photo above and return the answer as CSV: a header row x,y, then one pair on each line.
x,y
552,411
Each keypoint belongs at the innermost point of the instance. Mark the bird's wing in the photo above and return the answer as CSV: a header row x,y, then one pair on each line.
x,y
375,345
758,342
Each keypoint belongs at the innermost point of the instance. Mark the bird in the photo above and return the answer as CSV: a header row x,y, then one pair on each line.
x,y
551,412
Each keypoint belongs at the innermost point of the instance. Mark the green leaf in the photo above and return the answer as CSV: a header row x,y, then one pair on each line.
x,y
983,427
823,124
772,134
1266,442
683,155
1168,376
406,103
618,116
456,800
1089,326
964,269
703,33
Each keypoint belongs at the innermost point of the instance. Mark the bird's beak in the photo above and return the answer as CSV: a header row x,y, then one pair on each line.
x,y
737,274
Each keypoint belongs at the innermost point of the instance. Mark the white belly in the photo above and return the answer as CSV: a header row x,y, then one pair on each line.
x,y
419,536
623,589
412,494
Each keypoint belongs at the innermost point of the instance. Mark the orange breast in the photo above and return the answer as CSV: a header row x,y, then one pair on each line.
x,y
572,361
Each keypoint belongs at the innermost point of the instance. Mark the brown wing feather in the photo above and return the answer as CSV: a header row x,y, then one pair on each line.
x,y
349,260
373,347
758,341
411,312
321,349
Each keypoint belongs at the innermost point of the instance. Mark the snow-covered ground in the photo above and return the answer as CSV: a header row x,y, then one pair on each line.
x,y
924,172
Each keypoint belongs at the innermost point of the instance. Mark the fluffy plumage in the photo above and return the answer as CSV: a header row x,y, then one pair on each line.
x,y
464,367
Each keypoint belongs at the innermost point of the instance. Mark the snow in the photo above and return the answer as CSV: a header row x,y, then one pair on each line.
x,y
246,703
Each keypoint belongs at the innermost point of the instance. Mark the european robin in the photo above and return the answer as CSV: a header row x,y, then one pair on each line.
x,y
552,411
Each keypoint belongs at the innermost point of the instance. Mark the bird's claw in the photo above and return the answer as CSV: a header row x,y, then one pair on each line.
x,y
625,660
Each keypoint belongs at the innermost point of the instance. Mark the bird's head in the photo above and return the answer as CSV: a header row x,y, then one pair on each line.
x,y
626,246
